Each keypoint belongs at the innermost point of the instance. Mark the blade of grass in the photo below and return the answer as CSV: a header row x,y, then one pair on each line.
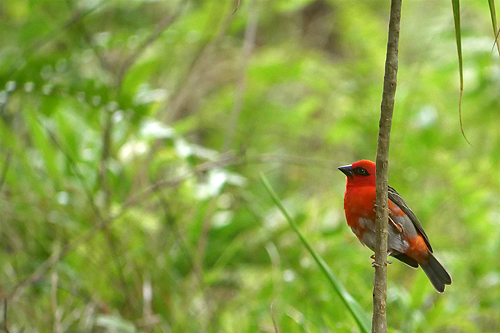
x,y
458,38
352,305
494,23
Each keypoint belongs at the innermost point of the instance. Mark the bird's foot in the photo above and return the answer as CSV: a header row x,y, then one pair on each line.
x,y
374,264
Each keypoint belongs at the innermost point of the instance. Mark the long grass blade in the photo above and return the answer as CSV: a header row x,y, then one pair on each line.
x,y
458,38
352,305
494,23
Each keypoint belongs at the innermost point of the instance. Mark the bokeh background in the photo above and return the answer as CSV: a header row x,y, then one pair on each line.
x,y
133,133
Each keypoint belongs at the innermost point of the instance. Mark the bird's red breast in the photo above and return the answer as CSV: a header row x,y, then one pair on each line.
x,y
407,240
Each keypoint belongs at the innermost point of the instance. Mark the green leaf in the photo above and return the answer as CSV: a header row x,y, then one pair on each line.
x,y
494,23
352,305
458,38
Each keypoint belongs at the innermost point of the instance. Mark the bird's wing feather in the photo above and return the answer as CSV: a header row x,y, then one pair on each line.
x,y
396,199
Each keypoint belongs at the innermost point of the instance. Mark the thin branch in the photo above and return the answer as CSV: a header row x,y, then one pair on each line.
x,y
102,225
77,16
76,170
237,6
105,64
272,317
160,28
106,136
5,327
248,46
35,276
32,50
5,169
86,236
174,228
227,160
108,122
105,154
206,226
179,239
53,296
130,301
103,173
185,89
379,321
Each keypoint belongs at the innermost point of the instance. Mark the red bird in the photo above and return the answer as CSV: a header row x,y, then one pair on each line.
x,y
407,240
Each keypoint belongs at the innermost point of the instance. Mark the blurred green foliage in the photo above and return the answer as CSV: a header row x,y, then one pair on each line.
x,y
132,134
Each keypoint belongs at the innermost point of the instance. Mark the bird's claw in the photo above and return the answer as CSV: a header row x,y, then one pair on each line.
x,y
374,264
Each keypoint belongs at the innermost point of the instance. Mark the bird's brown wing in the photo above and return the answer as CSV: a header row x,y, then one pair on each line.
x,y
396,198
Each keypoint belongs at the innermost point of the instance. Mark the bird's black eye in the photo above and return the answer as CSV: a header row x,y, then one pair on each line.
x,y
360,171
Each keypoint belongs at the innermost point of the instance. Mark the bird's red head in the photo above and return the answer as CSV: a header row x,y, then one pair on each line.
x,y
360,173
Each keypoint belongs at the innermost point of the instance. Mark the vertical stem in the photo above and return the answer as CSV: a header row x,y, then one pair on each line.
x,y
105,154
4,325
55,309
379,322
248,46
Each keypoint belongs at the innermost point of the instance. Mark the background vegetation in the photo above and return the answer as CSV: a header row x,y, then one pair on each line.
x,y
132,134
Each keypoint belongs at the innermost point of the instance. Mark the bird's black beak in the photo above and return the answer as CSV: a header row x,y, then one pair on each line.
x,y
347,170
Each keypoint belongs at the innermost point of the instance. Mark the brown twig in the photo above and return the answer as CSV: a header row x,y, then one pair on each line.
x,y
237,6
5,327
379,321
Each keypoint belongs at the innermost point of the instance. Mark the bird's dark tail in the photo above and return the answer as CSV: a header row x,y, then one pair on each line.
x,y
436,273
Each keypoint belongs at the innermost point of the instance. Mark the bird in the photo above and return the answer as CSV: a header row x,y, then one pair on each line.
x,y
407,240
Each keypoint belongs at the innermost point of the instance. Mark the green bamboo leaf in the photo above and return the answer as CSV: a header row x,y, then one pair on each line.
x,y
494,23
360,316
458,38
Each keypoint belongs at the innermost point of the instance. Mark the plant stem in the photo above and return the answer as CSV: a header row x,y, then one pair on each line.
x,y
379,322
